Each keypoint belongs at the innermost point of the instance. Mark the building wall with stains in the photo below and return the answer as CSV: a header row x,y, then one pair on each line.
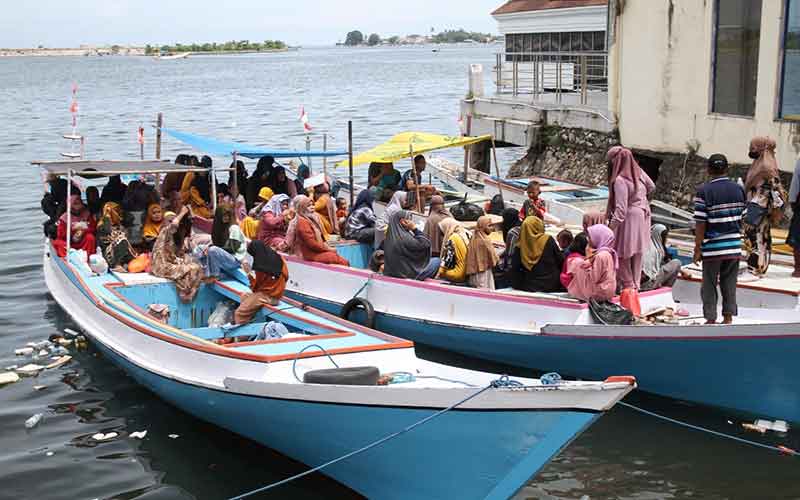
x,y
661,56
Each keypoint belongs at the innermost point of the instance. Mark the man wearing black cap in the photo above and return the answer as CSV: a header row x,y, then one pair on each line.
x,y
718,208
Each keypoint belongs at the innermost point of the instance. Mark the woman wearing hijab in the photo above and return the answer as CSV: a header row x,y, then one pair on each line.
x,y
481,256
169,259
576,250
280,183
511,227
658,269
117,250
275,222
258,179
251,224
152,226
228,244
114,190
196,193
407,251
82,231
453,267
303,173
305,237
436,214
593,217
595,277
325,207
360,224
793,238
537,260
765,204
397,203
267,282
629,211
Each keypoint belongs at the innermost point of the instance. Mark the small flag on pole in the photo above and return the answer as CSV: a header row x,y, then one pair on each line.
x,y
461,124
73,106
140,135
304,119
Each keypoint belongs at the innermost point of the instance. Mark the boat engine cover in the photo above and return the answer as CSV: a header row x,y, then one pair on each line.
x,y
356,375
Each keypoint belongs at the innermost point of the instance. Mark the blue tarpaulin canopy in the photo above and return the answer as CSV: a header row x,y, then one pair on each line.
x,y
223,148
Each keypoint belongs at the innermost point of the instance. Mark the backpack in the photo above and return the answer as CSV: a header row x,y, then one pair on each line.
x,y
466,212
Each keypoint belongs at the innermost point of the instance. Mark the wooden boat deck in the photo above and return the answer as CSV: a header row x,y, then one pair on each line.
x,y
777,280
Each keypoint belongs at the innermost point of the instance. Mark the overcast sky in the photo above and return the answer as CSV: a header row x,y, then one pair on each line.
x,y
69,23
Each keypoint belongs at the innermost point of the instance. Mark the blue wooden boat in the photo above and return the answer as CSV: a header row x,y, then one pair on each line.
x,y
488,447
748,367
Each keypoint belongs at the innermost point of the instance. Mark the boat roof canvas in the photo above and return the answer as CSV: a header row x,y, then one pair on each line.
x,y
102,168
228,148
405,144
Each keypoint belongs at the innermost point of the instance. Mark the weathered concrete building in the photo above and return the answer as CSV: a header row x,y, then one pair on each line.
x,y
684,79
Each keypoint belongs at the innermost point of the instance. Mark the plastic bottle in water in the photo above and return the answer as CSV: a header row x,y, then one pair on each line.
x,y
33,421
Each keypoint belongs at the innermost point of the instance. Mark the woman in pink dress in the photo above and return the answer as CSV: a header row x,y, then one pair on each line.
x,y
629,213
275,223
595,277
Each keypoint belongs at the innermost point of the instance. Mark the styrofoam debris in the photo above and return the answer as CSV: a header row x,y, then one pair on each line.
x,y
767,425
24,351
8,378
49,453
60,361
138,434
174,436
39,387
43,353
12,367
30,369
70,332
33,421
104,437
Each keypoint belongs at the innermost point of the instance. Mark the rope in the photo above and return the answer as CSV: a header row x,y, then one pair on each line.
x,y
779,449
503,381
297,356
365,285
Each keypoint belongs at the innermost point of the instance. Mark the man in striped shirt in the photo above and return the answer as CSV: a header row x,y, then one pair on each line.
x,y
718,209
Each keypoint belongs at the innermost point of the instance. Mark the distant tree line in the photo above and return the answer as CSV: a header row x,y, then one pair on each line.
x,y
356,37
231,46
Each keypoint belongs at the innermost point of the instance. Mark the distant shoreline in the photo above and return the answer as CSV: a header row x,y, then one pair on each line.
x,y
121,51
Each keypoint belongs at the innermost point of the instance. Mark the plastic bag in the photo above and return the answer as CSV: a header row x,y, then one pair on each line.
x,y
466,212
140,264
629,298
98,264
272,330
608,313
223,314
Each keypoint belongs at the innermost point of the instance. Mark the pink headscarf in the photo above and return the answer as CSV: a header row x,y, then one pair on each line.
x,y
765,167
624,165
602,238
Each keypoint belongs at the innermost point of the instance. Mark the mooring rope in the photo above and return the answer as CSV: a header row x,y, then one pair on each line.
x,y
779,449
503,381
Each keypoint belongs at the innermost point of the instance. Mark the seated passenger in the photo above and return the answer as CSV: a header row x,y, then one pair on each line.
x,y
196,193
258,179
397,203
386,181
82,230
341,211
453,265
93,202
360,224
228,245
537,260
267,282
252,222
326,209
117,250
576,250
275,222
280,183
114,190
152,226
237,185
303,173
596,276
533,206
481,256
305,236
169,258
658,269
138,197
407,251
436,214
495,206
408,183
564,240
511,227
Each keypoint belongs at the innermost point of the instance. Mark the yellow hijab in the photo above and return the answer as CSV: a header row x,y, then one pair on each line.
x,y
150,229
531,242
113,212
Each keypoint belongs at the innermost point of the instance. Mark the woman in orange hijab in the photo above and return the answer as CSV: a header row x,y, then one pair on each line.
x,y
766,200
152,225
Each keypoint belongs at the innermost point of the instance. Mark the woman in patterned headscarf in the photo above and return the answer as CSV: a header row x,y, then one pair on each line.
x,y
117,250
765,203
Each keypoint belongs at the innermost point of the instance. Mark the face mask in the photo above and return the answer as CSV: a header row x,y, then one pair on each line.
x,y
753,155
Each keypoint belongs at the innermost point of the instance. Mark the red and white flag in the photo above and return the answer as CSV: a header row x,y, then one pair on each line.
x,y
140,135
304,119
461,124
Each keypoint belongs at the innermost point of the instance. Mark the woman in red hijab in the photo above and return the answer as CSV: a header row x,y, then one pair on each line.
x,y
82,232
629,213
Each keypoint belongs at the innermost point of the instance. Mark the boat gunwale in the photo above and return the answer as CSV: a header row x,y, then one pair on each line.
x,y
749,286
144,327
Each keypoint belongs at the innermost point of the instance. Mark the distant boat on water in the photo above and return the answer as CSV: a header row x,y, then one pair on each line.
x,y
170,57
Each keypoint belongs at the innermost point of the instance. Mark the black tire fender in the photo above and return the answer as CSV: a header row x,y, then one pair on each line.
x,y
359,303
357,375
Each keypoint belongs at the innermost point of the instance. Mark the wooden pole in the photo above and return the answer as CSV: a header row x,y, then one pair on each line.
x,y
235,184
416,177
69,211
159,123
213,176
350,159
325,158
497,170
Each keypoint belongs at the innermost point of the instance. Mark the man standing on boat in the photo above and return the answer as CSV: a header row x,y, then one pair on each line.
x,y
718,208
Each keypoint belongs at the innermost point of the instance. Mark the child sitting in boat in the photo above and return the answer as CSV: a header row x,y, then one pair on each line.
x,y
576,250
341,211
267,281
533,206
82,229
564,240
536,261
595,277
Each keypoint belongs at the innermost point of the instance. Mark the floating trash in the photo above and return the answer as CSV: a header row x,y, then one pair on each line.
x,y
30,369
12,367
33,421
49,453
8,378
38,345
24,351
70,333
776,426
58,362
64,342
138,435
43,353
39,387
174,436
104,437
